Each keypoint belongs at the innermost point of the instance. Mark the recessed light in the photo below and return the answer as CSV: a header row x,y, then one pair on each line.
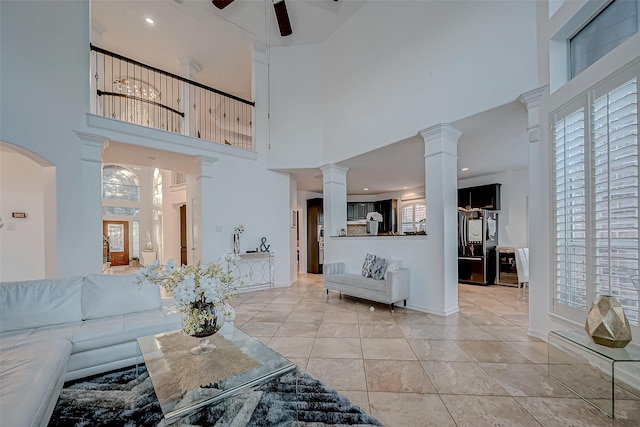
x,y
404,188
464,169
365,189
149,21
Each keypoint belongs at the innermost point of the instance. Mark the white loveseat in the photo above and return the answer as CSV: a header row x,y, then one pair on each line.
x,y
55,330
392,288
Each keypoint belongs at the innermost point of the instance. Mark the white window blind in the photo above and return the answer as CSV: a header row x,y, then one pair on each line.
x,y
596,182
413,217
570,204
615,196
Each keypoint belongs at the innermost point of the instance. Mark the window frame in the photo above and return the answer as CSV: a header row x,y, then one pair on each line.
x,y
412,203
586,100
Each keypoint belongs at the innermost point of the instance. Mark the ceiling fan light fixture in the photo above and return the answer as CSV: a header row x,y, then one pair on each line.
x,y
282,17
221,4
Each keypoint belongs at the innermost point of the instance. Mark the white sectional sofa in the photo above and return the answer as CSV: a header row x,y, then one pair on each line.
x,y
55,330
392,288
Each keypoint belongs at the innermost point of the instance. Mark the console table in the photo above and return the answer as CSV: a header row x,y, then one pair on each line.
x,y
257,270
590,370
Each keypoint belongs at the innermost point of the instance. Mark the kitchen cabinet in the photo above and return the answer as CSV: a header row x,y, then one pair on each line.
x,y
481,197
359,210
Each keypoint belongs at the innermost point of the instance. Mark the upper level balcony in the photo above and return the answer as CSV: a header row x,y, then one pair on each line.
x,y
127,90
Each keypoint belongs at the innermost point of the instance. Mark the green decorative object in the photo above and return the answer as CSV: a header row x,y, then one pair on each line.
x,y
607,324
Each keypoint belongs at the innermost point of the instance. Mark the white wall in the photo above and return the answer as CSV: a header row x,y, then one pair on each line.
x,y
512,218
540,185
398,67
22,241
41,109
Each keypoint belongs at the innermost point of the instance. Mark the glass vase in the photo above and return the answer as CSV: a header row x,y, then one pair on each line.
x,y
209,328
236,243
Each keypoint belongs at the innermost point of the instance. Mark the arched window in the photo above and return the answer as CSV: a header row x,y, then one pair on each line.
x,y
414,216
120,183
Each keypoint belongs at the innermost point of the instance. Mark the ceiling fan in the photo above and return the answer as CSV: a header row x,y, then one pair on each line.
x,y
280,9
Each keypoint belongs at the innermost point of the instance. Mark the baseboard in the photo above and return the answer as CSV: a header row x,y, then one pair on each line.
x,y
428,310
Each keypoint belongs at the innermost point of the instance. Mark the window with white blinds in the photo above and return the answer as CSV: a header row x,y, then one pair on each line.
x,y
614,140
414,217
596,199
571,206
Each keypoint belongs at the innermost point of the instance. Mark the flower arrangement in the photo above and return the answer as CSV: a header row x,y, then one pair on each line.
x,y
374,216
196,288
239,229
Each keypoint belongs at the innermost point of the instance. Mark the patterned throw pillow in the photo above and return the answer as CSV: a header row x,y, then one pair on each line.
x,y
368,263
379,268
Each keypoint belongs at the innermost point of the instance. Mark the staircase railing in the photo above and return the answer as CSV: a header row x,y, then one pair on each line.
x,y
128,90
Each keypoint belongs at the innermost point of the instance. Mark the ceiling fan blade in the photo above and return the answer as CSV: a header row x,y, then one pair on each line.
x,y
283,18
221,4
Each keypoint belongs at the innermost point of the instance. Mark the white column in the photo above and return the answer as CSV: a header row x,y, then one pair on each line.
x,y
334,184
441,192
89,254
189,69
536,211
202,213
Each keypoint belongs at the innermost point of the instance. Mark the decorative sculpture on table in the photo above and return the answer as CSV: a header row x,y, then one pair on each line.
x,y
263,246
607,324
236,238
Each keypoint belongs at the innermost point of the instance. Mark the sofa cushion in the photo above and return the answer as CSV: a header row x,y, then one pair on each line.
x,y
106,295
32,375
369,259
378,269
360,282
35,303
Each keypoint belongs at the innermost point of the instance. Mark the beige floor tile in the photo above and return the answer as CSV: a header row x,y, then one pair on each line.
x,y
572,412
489,411
520,319
340,317
525,380
288,299
399,376
384,348
263,340
300,330
339,330
376,317
339,374
423,332
491,351
260,329
292,347
467,332
300,317
488,320
439,350
409,410
358,398
411,317
337,348
270,316
285,308
461,378
509,333
382,330
536,351
454,319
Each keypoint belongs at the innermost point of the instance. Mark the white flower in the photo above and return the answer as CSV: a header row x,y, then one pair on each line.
x,y
239,229
196,286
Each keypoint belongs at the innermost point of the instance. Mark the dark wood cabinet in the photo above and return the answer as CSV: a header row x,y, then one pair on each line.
x,y
481,197
359,210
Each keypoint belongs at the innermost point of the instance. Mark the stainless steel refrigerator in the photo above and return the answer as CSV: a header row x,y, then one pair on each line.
x,y
477,239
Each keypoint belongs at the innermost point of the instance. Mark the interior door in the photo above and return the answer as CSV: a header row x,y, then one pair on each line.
x,y
183,235
118,234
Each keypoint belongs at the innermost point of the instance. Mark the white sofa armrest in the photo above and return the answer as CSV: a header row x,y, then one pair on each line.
x,y
333,268
398,284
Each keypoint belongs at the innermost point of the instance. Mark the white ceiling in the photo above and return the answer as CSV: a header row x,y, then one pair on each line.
x,y
219,42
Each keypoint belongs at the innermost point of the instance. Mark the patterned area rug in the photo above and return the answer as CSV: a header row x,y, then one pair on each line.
x,y
126,398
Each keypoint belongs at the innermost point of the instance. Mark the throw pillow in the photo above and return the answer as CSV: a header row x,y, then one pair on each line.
x,y
379,268
368,263
393,264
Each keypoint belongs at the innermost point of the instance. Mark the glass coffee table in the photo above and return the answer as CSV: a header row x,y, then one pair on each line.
x,y
186,382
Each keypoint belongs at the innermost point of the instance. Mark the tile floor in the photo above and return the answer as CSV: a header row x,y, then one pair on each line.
x,y
474,368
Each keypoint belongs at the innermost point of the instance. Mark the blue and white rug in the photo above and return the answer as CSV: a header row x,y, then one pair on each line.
x,y
126,398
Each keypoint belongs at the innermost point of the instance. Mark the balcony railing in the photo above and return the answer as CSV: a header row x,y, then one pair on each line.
x,y
127,90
